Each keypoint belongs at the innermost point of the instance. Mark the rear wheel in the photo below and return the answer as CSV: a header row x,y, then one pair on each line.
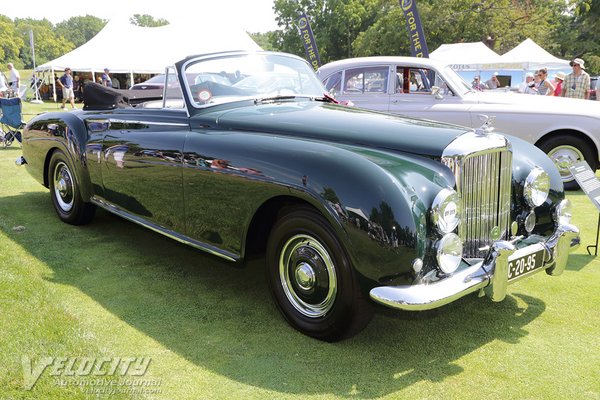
x,y
311,278
566,150
65,192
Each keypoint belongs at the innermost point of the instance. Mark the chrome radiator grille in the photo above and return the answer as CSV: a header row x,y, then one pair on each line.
x,y
483,180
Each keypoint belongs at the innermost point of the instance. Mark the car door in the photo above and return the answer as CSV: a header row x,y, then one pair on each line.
x,y
142,165
414,95
365,86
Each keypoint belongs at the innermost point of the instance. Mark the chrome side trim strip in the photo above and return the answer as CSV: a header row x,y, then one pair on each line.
x,y
130,121
167,232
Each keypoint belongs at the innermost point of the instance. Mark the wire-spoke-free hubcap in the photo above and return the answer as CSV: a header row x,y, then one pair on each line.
x,y
564,157
305,276
63,187
308,277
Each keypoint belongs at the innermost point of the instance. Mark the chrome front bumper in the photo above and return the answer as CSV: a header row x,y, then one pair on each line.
x,y
491,273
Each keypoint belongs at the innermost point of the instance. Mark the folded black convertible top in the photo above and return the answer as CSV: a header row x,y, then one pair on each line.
x,y
100,97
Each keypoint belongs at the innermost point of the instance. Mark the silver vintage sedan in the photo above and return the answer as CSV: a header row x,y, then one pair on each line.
x,y
567,130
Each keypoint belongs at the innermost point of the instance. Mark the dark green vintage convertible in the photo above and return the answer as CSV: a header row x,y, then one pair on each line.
x,y
248,155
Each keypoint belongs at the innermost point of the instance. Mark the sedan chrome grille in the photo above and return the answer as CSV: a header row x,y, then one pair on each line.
x,y
483,180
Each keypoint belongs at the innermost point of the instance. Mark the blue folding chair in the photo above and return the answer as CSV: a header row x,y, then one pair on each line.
x,y
10,121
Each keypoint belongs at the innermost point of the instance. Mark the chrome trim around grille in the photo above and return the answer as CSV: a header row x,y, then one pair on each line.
x,y
482,167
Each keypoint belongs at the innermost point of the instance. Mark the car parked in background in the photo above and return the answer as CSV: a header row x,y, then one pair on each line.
x,y
567,130
346,204
594,87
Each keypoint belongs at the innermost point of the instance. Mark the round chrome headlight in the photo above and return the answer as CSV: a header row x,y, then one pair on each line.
x,y
563,212
537,187
445,211
449,253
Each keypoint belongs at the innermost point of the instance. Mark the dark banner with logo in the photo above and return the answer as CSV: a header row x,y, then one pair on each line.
x,y
418,44
310,46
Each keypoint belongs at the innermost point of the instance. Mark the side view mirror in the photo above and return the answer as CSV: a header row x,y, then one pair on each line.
x,y
435,92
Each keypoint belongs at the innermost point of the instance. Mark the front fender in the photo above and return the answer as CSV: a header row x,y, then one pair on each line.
x,y
377,201
57,130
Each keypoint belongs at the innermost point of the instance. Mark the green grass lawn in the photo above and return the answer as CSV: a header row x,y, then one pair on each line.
x,y
113,289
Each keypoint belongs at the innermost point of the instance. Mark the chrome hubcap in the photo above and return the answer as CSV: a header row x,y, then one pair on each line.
x,y
305,276
308,277
563,157
63,187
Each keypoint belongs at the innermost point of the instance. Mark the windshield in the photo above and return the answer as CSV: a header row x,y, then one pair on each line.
x,y
456,81
228,78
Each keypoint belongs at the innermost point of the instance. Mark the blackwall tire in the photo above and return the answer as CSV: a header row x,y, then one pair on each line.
x,y
565,150
65,192
312,279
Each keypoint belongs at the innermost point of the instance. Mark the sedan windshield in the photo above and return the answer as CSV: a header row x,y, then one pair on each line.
x,y
456,81
228,78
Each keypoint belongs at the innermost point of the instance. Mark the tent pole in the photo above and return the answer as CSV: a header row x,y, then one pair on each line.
x,y
131,83
53,83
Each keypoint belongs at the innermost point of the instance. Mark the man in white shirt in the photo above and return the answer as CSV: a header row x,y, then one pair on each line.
x,y
13,77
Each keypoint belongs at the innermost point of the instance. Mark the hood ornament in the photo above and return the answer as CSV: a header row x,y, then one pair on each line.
x,y
487,127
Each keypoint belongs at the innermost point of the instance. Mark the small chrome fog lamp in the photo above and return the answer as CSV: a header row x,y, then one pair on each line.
x,y
449,253
563,212
445,211
537,187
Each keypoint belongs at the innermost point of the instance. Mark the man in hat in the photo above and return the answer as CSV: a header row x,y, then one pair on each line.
x,y
577,84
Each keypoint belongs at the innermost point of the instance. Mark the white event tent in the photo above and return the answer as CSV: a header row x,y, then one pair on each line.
x,y
465,56
125,48
477,56
530,56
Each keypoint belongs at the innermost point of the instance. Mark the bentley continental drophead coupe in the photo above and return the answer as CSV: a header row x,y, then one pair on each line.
x,y
351,208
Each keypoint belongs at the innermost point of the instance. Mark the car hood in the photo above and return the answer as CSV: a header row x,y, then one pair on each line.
x,y
313,120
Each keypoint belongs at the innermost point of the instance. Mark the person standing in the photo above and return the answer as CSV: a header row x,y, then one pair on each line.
x,y
545,87
558,80
14,78
477,85
577,84
106,81
66,83
528,87
493,82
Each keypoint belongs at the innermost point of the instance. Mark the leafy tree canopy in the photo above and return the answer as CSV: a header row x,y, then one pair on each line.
x,y
352,28
147,20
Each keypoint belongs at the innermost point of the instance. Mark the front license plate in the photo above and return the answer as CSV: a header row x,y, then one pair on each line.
x,y
525,264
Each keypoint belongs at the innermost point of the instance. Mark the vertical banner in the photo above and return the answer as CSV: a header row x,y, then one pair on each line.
x,y
310,46
418,44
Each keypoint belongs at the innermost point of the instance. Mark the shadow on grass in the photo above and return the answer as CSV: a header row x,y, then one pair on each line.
x,y
222,318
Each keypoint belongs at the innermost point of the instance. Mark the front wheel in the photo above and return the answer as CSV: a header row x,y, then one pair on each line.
x,y
565,151
65,192
312,279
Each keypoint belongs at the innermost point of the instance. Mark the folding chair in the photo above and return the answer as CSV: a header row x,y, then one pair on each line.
x,y
10,121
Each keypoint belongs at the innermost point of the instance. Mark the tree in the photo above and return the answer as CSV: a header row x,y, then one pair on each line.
x,y
350,28
264,40
48,45
147,20
79,30
10,42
